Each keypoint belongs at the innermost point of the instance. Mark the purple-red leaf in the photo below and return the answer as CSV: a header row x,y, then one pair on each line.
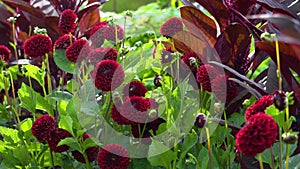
x,y
199,24
88,20
275,7
217,9
233,47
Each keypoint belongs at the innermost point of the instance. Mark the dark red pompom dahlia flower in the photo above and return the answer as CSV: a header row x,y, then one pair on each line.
x,y
56,137
205,74
171,27
79,47
113,156
115,113
108,75
192,60
67,21
98,27
90,152
42,128
135,109
63,42
4,53
224,88
259,134
134,88
37,45
259,106
99,54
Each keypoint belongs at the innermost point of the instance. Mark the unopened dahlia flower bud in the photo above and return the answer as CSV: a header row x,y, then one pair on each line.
x,y
157,80
279,100
289,138
200,120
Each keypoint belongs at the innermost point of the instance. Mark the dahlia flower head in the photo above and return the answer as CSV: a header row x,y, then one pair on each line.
x,y
258,135
4,53
136,110
64,41
56,137
99,54
109,33
192,60
115,113
42,128
205,75
113,156
134,88
67,21
96,34
229,93
166,55
90,152
259,106
78,50
37,45
108,75
171,27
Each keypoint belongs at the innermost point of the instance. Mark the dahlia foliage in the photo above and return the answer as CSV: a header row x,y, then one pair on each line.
x,y
178,84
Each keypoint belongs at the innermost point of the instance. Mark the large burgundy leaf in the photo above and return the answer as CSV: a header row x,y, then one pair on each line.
x,y
199,24
46,7
233,47
185,42
289,58
88,20
217,9
24,6
275,7
100,1
287,25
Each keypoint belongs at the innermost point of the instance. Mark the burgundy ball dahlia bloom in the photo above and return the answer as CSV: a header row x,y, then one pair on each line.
x,y
259,106
205,74
97,27
115,113
79,47
63,42
192,60
259,134
218,88
134,88
67,21
97,35
42,128
37,45
135,109
4,53
109,33
113,156
56,137
108,75
90,152
171,27
99,54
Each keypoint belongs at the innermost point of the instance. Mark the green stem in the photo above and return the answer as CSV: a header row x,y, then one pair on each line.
x,y
287,156
280,148
261,165
272,157
14,98
227,136
209,148
15,40
48,74
278,63
176,151
52,159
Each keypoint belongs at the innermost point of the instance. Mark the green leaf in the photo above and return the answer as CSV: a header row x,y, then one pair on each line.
x,y
27,97
160,155
61,95
26,125
277,115
66,122
62,61
203,158
189,141
22,154
89,143
293,162
71,142
35,72
138,162
10,135
90,108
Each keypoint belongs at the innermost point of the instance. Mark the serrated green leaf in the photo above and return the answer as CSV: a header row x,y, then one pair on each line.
x,y
189,141
22,154
88,143
60,95
160,155
27,97
71,142
66,122
36,73
26,125
277,115
62,61
10,135
90,108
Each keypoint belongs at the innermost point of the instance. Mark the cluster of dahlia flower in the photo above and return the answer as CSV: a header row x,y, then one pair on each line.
x,y
137,111
45,130
4,53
